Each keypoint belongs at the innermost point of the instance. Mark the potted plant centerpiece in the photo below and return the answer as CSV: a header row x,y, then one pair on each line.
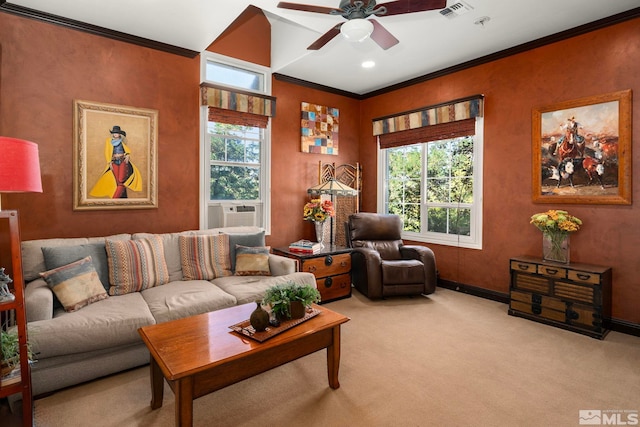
x,y
290,300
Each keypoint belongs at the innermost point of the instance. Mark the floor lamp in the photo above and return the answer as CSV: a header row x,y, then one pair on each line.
x,y
333,188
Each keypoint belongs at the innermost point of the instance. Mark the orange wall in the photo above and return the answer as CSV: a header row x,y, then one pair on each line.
x,y
43,68
595,63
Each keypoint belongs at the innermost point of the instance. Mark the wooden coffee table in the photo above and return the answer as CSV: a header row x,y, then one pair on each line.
x,y
200,354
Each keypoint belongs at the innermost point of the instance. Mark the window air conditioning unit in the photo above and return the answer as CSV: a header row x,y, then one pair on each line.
x,y
239,216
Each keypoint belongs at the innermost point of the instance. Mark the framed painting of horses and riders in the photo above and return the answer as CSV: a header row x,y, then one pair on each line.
x,y
115,156
582,151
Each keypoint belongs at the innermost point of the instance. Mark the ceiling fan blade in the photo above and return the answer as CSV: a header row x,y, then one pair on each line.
x,y
309,8
326,37
409,6
381,36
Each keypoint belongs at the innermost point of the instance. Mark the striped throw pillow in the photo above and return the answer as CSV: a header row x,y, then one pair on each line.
x,y
205,257
76,285
135,265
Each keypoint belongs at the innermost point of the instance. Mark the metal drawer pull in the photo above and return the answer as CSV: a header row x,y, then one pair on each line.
x,y
312,269
551,270
328,260
523,266
343,264
583,276
328,282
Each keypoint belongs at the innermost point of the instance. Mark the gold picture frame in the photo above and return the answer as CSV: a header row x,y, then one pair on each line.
x,y
104,177
582,151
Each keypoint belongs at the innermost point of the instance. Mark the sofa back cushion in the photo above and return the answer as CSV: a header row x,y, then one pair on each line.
x,y
33,259
135,265
204,257
243,239
55,257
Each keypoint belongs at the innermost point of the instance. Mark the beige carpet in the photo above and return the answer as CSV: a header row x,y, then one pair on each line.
x,y
447,360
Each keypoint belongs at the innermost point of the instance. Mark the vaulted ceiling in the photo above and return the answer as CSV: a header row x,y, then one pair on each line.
x,y
430,42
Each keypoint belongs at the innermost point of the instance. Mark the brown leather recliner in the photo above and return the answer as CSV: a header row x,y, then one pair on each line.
x,y
381,264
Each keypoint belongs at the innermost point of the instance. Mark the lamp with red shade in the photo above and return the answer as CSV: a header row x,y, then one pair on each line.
x,y
19,166
19,172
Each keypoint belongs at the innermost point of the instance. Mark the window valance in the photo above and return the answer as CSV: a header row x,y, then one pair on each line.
x,y
237,118
242,102
458,110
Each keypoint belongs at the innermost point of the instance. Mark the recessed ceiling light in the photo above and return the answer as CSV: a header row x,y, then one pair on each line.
x,y
368,64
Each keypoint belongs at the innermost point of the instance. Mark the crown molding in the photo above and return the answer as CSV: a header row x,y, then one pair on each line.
x,y
93,29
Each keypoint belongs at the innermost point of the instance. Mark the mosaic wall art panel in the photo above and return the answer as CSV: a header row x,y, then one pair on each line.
x,y
319,129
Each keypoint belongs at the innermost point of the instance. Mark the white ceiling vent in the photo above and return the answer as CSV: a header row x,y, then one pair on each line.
x,y
456,9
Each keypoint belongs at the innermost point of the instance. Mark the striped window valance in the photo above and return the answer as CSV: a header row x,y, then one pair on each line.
x,y
461,109
235,100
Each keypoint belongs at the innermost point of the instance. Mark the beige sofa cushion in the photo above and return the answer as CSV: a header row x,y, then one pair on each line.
x,y
185,298
251,288
105,324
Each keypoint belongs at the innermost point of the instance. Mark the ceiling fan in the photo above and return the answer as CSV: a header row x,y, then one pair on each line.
x,y
356,12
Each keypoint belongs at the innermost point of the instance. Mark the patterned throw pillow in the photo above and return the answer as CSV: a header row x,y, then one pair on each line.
x,y
76,285
57,256
135,265
205,257
252,261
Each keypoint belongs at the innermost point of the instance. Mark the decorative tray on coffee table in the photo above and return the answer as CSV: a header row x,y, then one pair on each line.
x,y
247,330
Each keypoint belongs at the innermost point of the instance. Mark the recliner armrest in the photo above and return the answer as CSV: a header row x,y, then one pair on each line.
x,y
426,256
366,273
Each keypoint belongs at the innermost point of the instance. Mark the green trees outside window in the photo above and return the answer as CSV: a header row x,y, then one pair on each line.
x,y
430,185
235,161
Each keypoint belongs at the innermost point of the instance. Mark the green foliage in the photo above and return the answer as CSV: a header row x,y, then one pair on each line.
x,y
10,349
235,162
448,184
279,297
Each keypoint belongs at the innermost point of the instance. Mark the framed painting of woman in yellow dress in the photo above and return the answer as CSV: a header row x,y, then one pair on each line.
x,y
115,156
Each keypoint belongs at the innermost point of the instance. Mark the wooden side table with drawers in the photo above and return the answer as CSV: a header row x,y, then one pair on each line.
x,y
331,266
572,296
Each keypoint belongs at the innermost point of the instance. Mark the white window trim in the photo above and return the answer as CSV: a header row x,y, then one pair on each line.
x,y
215,57
265,152
473,241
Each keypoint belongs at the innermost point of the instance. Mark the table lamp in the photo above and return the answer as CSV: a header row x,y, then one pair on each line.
x,y
333,187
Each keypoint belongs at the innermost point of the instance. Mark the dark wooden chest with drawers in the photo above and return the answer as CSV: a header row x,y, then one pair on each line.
x,y
331,266
572,296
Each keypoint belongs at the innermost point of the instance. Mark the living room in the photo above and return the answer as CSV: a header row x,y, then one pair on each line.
x,y
45,67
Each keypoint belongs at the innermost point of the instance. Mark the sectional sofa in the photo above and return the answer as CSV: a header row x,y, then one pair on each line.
x,y
87,297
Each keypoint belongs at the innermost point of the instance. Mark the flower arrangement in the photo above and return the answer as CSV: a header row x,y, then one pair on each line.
x,y
556,222
318,211
556,226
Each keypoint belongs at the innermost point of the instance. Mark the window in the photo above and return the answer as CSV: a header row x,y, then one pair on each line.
x,y
235,146
436,187
235,161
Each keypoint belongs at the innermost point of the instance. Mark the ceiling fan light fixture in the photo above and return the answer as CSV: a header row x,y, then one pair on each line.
x,y
356,30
